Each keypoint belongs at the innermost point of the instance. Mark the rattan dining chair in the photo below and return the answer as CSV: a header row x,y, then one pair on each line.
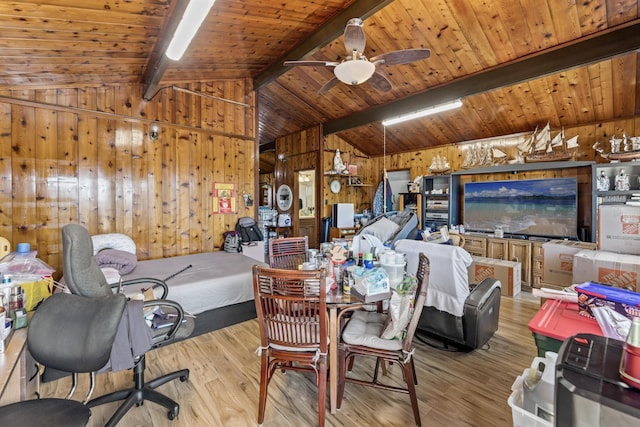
x,y
292,314
361,337
288,252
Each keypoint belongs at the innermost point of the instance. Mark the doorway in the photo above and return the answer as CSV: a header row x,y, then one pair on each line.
x,y
398,181
306,206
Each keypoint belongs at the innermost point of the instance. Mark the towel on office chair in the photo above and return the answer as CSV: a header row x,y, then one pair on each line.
x,y
133,338
448,277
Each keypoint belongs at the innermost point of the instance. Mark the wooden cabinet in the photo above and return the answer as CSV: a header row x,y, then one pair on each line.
x,y
537,261
520,251
475,245
341,233
498,248
19,379
506,250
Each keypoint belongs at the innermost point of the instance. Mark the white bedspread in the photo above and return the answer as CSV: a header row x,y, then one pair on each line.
x,y
214,280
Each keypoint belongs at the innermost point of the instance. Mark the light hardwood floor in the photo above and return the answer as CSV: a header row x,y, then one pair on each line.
x,y
454,389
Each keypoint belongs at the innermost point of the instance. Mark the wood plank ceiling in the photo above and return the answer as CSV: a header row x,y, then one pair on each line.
x,y
517,63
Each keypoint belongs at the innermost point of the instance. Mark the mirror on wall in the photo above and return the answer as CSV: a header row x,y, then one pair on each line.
x,y
284,197
306,193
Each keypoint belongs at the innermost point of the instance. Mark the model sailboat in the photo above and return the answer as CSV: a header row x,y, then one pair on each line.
x,y
630,148
439,165
483,155
499,156
545,149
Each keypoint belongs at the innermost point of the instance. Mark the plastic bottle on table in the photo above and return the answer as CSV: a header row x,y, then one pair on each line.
x,y
347,282
368,260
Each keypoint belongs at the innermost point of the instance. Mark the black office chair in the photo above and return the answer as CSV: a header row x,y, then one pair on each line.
x,y
83,277
69,333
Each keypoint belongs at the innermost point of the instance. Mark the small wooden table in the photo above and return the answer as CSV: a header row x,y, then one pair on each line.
x,y
19,379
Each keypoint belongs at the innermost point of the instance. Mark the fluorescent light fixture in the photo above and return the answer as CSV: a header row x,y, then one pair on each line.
x,y
193,17
425,112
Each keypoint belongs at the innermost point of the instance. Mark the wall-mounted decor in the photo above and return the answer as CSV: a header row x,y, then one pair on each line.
x,y
224,197
284,197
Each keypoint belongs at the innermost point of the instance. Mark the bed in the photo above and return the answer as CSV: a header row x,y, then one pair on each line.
x,y
215,287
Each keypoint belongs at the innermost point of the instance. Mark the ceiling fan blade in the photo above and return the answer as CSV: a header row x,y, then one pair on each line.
x,y
401,56
354,38
328,85
310,63
380,82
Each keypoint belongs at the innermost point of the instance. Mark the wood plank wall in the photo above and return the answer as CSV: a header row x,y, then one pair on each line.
x,y
368,171
83,155
301,153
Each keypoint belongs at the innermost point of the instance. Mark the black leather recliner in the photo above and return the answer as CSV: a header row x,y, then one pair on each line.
x,y
456,313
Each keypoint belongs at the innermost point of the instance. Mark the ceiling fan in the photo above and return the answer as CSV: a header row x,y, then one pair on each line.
x,y
356,68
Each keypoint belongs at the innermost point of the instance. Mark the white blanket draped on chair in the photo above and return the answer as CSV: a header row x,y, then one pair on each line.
x,y
448,279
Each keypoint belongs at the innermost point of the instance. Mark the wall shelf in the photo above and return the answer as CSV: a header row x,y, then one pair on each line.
x,y
523,167
439,208
352,180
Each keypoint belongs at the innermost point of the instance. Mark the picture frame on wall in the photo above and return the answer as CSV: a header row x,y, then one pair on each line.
x,y
224,198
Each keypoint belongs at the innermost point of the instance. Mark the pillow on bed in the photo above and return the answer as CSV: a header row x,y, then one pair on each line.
x,y
122,261
384,229
113,241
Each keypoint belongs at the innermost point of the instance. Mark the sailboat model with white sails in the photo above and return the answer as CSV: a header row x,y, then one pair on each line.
x,y
542,147
630,149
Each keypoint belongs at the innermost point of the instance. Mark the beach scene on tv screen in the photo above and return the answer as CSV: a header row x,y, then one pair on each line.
x,y
539,207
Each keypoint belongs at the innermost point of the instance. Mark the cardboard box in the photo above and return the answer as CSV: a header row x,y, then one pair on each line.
x,y
508,272
592,295
255,250
557,267
619,229
619,270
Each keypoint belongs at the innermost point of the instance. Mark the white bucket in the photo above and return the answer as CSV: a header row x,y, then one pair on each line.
x,y
395,273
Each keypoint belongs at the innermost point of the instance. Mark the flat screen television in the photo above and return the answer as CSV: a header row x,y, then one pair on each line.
x,y
531,207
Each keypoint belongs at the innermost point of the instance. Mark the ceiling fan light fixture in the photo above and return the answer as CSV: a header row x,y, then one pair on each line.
x,y
354,72
194,15
424,112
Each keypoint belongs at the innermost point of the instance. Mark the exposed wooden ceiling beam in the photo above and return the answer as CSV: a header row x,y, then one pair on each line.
x,y
158,61
320,38
608,44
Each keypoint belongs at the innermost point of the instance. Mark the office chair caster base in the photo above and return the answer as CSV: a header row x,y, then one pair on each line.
x,y
173,413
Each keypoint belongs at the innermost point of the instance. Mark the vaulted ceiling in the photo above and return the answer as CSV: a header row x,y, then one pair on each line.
x,y
515,63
